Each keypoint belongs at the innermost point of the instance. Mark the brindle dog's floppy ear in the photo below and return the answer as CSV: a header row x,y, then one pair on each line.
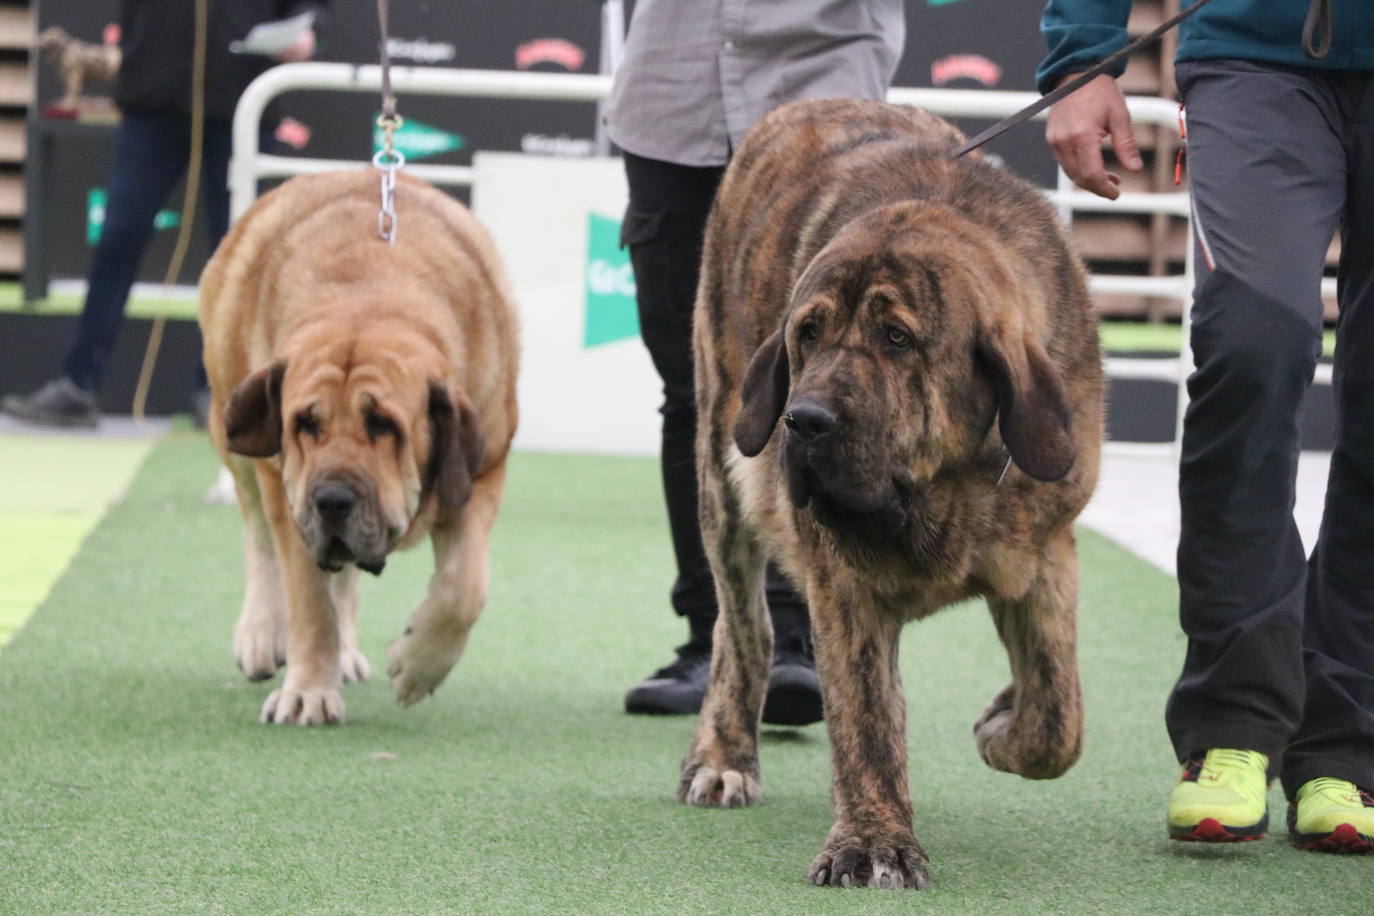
x,y
1033,412
252,419
456,446
762,395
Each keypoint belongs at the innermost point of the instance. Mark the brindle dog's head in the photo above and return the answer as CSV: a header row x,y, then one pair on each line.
x,y
905,337
366,427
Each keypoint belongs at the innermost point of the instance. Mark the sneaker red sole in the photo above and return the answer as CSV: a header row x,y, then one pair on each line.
x,y
1344,839
1211,830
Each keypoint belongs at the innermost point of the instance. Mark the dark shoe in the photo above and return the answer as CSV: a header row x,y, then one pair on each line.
x,y
200,408
675,689
794,690
58,403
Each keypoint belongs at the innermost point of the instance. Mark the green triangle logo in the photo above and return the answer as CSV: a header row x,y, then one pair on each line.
x,y
417,140
610,285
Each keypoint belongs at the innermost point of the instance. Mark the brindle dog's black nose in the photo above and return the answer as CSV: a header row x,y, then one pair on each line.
x,y
809,420
334,501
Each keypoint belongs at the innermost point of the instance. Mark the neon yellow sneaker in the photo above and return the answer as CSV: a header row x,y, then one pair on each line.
x,y
1220,798
1332,815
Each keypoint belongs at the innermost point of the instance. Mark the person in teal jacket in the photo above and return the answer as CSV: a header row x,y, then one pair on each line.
x,y
1278,677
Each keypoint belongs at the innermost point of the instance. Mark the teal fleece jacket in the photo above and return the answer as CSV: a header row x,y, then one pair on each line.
x,y
1079,33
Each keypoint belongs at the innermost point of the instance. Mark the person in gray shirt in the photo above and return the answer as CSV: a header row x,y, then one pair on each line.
x,y
696,75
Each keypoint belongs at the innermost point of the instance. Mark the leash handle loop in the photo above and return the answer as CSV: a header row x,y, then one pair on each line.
x,y
1318,18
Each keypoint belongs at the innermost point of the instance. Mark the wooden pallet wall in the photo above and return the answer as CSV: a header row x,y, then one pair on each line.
x,y
1155,245
16,94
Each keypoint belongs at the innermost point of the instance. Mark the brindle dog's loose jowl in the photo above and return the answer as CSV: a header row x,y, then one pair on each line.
x,y
900,391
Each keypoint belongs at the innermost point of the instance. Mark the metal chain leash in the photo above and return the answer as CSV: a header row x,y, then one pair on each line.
x,y
387,160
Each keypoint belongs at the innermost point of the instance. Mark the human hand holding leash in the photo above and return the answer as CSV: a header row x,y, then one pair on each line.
x,y
1077,125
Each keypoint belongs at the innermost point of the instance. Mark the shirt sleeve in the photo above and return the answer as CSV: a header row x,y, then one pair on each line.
x,y
1078,34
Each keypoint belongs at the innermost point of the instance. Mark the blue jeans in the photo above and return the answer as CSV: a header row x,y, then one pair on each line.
x,y
151,153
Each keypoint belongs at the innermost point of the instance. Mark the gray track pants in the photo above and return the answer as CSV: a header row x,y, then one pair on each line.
x,y
1280,648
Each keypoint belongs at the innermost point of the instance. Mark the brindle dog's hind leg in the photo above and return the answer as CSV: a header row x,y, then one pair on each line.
x,y
722,767
871,843
1034,727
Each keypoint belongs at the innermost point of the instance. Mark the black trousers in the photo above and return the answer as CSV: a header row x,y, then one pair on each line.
x,y
150,156
663,229
1280,646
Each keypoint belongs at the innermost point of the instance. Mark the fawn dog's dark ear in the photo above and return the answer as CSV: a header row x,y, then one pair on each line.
x,y
252,419
762,395
456,446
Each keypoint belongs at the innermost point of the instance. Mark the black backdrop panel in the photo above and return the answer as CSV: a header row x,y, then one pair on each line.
x,y
956,43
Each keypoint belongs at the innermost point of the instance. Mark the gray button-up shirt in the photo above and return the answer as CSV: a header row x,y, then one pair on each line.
x,y
697,74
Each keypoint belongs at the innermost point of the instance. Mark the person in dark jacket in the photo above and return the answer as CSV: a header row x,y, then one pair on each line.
x,y
1279,672
152,147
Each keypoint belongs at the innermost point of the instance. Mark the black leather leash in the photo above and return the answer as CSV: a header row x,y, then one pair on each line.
x,y
1073,85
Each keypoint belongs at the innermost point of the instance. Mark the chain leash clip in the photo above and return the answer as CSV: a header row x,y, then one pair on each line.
x,y
388,160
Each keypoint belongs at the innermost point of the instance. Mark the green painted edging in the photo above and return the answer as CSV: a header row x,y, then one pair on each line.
x,y
1117,336
1140,336
53,491
12,300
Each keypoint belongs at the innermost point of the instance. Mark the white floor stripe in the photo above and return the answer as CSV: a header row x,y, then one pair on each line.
x,y
1136,504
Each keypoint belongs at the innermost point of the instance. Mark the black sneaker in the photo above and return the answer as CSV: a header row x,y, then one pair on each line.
x,y
794,690
58,403
675,689
200,408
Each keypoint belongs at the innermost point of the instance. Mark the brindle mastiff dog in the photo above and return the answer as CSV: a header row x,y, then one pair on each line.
x,y
923,333
363,396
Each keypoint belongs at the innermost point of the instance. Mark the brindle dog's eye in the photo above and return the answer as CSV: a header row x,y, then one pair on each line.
x,y
807,332
306,423
379,425
898,338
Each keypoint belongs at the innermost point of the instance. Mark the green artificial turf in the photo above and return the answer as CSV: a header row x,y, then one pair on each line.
x,y
134,777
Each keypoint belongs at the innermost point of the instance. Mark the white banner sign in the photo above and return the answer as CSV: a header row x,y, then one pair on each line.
x,y
586,381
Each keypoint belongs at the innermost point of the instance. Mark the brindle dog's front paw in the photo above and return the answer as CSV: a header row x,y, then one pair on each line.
x,y
1031,752
718,787
892,862
990,731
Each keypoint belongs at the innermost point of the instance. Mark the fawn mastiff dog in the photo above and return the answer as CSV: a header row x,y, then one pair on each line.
x,y
900,396
363,396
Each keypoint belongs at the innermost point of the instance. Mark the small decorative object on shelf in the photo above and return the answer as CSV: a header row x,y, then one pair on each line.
x,y
80,61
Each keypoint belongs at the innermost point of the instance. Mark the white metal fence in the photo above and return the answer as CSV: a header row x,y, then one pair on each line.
x,y
249,165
